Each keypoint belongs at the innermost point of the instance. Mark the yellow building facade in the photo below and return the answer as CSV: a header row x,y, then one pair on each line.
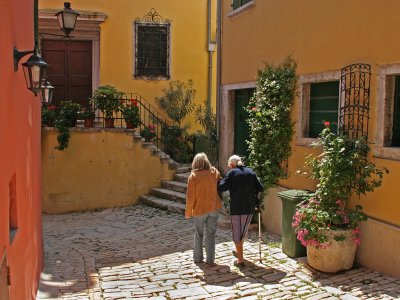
x,y
322,37
107,47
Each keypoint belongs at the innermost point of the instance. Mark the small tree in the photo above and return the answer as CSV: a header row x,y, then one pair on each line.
x,y
177,100
208,139
271,128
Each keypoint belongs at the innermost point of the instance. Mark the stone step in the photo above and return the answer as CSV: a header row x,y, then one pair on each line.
x,y
165,204
183,168
174,186
153,201
183,177
168,194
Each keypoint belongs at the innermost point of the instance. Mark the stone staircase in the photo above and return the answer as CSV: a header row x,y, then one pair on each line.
x,y
171,195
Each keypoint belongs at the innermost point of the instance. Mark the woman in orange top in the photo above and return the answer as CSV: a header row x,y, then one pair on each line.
x,y
203,204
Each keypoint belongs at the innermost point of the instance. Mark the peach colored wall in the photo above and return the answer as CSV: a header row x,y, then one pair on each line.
x,y
320,37
19,153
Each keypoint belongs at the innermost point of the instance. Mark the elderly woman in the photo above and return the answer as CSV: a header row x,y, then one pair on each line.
x,y
243,186
203,204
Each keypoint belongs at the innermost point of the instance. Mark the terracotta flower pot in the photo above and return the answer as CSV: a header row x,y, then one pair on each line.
x,y
336,255
109,122
89,122
130,125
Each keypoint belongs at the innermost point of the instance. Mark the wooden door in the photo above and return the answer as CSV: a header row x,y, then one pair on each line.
x,y
242,130
70,69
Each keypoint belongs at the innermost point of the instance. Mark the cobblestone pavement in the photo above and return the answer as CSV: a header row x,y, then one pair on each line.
x,y
144,253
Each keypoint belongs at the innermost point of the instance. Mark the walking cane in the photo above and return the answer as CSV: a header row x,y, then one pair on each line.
x,y
259,225
259,233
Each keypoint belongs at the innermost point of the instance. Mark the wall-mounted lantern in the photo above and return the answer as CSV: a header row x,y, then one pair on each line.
x,y
67,18
47,92
35,68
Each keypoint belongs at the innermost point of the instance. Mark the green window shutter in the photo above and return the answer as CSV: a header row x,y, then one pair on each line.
x,y
324,106
396,114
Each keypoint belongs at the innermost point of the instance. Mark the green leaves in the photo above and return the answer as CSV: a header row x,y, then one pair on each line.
x,y
177,100
271,128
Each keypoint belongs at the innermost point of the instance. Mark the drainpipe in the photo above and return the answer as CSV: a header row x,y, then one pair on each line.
x,y
211,47
218,85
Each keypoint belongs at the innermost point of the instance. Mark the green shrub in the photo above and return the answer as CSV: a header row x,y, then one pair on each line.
x,y
271,128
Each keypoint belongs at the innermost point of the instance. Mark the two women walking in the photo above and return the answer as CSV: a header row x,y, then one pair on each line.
x,y
203,203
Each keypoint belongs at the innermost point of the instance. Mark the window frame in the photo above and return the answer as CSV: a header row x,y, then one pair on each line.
x,y
384,112
241,8
305,82
136,74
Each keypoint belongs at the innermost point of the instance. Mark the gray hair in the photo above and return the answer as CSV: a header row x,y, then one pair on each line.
x,y
201,162
235,160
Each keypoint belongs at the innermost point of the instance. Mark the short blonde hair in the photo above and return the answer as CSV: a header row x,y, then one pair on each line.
x,y
201,162
235,160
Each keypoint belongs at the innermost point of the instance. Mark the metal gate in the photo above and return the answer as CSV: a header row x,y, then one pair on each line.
x,y
355,100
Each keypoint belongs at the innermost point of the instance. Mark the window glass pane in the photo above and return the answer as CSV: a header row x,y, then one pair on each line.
x,y
238,3
396,114
324,106
152,50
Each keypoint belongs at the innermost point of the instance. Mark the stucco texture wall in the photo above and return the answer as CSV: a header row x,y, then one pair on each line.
x,y
20,170
188,44
99,169
320,36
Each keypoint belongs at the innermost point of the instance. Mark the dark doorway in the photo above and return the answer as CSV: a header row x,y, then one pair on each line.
x,y
242,130
70,69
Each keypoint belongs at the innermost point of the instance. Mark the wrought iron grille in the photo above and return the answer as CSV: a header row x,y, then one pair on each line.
x,y
152,34
238,3
355,100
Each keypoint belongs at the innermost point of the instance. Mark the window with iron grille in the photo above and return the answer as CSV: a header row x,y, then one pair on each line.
x,y
396,114
238,3
152,50
324,106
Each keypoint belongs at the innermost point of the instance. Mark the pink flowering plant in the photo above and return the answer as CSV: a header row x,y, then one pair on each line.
x,y
148,132
342,169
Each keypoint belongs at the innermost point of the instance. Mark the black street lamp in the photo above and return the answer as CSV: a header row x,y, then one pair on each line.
x,y
67,18
35,68
47,92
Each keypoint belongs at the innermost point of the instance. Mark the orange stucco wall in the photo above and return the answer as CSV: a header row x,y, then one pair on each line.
x,y
19,154
321,36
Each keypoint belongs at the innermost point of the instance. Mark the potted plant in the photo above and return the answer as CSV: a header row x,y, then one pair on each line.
x,y
69,113
88,115
324,223
130,113
107,99
49,115
67,117
148,133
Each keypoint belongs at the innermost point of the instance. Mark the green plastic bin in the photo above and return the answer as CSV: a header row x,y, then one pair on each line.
x,y
290,245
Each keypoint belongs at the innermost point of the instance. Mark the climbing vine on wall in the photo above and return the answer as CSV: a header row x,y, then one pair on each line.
x,y
271,128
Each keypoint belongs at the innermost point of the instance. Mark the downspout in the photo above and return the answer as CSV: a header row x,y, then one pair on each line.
x,y
210,47
218,84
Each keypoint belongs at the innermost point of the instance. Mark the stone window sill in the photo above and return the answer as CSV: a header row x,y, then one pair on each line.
x,y
392,153
305,141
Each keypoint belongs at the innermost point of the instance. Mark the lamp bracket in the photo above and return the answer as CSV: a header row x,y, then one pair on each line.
x,y
18,55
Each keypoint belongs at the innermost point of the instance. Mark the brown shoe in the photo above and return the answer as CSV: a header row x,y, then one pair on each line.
x,y
239,264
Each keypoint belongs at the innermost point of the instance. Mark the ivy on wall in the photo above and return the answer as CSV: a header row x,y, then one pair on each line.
x,y
271,128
